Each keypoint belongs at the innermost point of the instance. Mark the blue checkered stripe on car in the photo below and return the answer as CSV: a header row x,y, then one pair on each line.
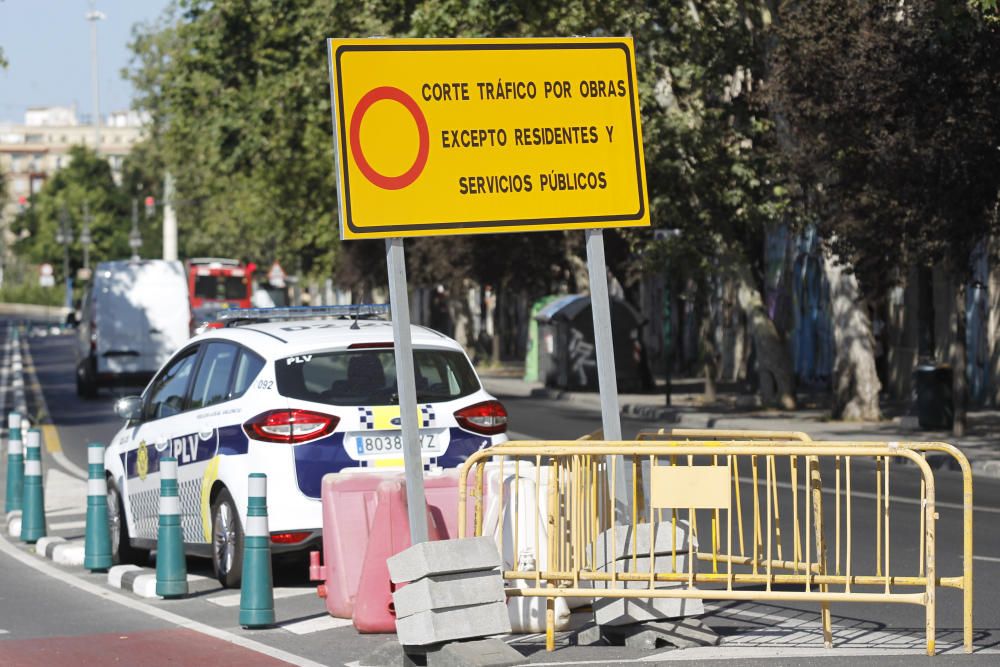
x,y
367,418
426,415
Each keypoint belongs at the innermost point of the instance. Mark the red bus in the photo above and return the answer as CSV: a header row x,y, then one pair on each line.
x,y
215,284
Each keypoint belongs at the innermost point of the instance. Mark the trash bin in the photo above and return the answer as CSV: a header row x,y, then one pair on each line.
x,y
567,356
935,407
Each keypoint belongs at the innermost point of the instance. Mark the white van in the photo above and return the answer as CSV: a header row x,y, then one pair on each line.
x,y
133,317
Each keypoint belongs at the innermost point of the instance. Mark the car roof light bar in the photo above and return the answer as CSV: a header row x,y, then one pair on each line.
x,y
236,316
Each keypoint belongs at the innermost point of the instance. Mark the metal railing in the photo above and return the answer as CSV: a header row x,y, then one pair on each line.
x,y
964,583
556,501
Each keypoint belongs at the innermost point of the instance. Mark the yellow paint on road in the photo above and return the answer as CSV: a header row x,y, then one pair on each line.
x,y
51,436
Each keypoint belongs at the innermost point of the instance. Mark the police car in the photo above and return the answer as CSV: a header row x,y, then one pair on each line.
x,y
281,392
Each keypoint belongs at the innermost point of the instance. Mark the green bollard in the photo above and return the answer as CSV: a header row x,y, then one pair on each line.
x,y
256,588
15,464
97,540
33,510
171,569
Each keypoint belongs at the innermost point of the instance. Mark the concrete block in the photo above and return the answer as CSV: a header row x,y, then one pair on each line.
x,y
441,625
689,633
624,535
68,554
625,611
440,591
443,557
478,653
589,635
117,573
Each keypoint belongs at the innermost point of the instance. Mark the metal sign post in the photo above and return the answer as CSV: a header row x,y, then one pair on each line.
x,y
607,380
416,504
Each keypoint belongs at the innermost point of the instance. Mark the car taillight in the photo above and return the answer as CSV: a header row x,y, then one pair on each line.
x,y
489,418
290,426
289,538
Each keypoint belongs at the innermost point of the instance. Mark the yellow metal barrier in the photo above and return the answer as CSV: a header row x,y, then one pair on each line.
x,y
566,492
732,436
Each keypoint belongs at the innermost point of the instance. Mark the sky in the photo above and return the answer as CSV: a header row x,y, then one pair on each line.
x,y
47,47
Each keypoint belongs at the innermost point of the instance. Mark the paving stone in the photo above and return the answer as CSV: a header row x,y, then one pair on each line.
x,y
478,653
440,591
441,625
444,557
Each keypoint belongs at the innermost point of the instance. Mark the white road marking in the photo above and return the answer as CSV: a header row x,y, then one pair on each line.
x,y
233,599
162,614
4,632
988,559
318,624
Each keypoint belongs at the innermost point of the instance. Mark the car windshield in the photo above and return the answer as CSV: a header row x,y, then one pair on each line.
x,y
368,377
220,287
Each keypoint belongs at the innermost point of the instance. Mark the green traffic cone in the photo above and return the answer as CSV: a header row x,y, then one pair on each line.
x,y
97,541
33,510
15,463
256,589
171,569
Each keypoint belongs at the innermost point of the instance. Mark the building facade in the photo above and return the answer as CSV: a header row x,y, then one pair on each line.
x,y
33,151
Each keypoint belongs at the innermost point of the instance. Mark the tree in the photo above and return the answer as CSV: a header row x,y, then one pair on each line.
x,y
87,179
891,110
709,162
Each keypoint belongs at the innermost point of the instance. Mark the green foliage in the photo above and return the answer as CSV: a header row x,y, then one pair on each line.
x,y
87,179
893,128
239,95
32,293
238,92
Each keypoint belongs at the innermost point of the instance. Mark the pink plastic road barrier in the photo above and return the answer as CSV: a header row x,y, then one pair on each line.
x,y
350,505
373,608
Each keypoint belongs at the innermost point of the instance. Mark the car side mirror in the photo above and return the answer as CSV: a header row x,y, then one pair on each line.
x,y
129,408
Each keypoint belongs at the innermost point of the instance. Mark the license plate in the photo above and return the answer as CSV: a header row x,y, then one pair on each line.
x,y
379,444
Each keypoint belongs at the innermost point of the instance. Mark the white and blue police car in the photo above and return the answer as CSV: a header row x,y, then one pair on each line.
x,y
295,393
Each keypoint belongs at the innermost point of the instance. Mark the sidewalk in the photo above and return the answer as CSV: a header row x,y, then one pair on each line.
x,y
981,444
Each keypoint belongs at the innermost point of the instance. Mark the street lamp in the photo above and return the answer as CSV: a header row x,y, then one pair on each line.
x,y
94,16
134,236
85,239
64,237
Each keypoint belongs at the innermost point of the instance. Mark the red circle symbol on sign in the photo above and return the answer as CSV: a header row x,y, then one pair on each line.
x,y
381,180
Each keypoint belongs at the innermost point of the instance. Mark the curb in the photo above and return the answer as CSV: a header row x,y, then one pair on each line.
x,y
141,581
60,550
14,524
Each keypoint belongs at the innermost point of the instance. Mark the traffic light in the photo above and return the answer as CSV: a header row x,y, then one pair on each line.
x,y
150,206
22,202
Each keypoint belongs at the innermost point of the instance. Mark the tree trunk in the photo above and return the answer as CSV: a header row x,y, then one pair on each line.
x,y
708,353
959,386
773,365
855,379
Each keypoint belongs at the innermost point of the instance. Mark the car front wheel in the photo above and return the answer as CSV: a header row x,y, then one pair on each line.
x,y
122,550
227,541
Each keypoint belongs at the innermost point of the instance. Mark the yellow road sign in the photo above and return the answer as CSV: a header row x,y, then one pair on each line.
x,y
465,136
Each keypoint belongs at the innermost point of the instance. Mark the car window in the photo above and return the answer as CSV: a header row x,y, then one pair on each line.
x,y
167,392
211,384
247,369
368,377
